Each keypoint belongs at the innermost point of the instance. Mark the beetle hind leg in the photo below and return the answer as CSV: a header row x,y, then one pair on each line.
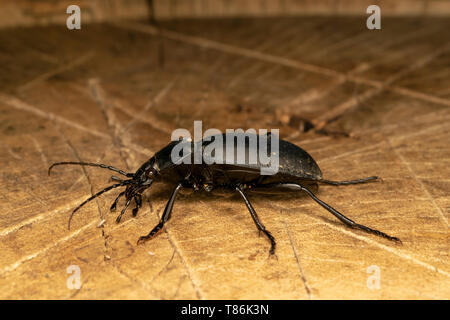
x,y
346,220
347,182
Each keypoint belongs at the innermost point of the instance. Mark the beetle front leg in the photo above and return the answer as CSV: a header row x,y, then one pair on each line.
x,y
258,223
123,210
164,218
114,205
138,200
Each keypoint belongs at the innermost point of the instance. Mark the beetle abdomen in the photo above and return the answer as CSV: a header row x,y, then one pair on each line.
x,y
297,162
246,150
291,159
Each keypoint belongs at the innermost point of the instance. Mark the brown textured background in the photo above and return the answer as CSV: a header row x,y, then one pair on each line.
x,y
113,92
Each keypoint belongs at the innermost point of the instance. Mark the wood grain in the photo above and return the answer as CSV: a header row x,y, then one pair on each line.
x,y
114,93
15,13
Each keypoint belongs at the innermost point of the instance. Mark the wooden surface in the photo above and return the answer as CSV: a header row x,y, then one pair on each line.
x,y
47,12
15,13
225,8
114,93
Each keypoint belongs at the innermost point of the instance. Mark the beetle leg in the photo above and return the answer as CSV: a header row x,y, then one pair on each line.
x,y
346,220
138,200
338,183
164,218
123,210
114,205
258,223
337,214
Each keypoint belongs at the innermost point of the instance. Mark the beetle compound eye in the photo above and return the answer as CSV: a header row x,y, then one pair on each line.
x,y
150,174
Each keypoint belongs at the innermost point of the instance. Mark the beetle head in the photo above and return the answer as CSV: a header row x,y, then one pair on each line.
x,y
135,185
145,175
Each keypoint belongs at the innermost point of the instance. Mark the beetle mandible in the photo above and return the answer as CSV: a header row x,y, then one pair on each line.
x,y
296,170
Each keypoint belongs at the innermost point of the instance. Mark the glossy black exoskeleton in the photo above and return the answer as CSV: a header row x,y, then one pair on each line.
x,y
296,170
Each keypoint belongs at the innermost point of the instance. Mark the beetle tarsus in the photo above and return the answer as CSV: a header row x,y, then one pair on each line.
x,y
152,233
376,232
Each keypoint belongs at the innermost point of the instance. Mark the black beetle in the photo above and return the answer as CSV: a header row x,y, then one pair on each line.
x,y
296,170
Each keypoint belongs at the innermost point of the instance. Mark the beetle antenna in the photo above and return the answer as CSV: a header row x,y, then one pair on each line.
x,y
346,182
104,166
96,195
